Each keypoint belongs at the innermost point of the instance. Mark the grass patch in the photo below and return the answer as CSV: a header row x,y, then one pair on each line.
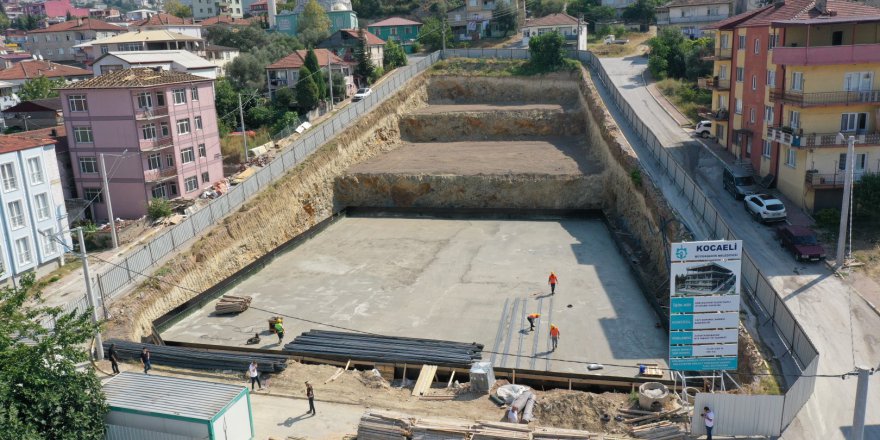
x,y
232,145
494,67
686,97
69,266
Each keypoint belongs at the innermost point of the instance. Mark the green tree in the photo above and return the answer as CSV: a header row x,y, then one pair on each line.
x,y
40,88
393,55
505,17
592,11
28,22
246,71
365,67
338,82
226,105
311,62
284,100
288,119
866,200
43,392
314,24
642,11
431,34
674,56
5,23
547,7
307,95
177,9
158,208
546,51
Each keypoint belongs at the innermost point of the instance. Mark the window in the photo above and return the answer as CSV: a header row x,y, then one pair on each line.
x,y
858,81
164,130
83,135
768,114
47,238
93,195
748,147
61,51
853,121
752,115
725,41
198,122
757,45
154,161
738,106
765,150
194,93
160,99
145,100
722,102
183,126
797,81
179,96
88,165
130,47
722,71
206,177
158,192
837,38
41,204
742,42
754,82
104,49
77,103
149,131
861,160
771,41
7,171
740,73
202,151
35,168
173,187
794,119
191,184
187,156
771,78
791,157
23,250
16,215
169,160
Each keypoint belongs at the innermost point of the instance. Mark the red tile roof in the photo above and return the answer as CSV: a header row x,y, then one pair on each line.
x,y
12,143
259,3
162,19
60,8
395,21
795,10
298,58
372,40
33,68
559,19
138,77
45,135
225,19
76,25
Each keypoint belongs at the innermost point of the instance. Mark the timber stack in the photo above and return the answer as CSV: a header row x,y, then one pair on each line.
x,y
232,304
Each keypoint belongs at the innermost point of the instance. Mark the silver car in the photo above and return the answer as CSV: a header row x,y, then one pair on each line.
x,y
765,208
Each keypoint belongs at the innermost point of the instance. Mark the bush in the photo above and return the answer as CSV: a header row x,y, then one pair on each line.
x,y
376,74
416,47
158,208
546,52
828,219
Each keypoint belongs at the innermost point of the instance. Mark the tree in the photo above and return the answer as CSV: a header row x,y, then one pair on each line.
x,y
307,95
40,87
247,72
43,393
674,56
547,7
28,22
365,67
546,51
226,105
5,23
311,62
866,200
338,82
431,34
177,9
314,24
505,17
393,56
642,11
592,11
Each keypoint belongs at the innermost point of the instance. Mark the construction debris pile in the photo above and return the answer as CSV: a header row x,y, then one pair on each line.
x,y
198,359
665,425
380,425
232,304
367,347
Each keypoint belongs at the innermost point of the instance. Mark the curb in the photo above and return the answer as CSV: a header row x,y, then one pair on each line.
x,y
657,100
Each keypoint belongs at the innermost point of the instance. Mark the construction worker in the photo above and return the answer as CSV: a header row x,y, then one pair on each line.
x,y
553,280
532,319
554,336
279,330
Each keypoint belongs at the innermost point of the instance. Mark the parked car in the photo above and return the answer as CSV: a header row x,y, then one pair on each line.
x,y
361,94
609,39
801,242
704,129
739,183
765,208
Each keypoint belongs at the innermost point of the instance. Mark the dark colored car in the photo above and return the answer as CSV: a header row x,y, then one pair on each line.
x,y
801,242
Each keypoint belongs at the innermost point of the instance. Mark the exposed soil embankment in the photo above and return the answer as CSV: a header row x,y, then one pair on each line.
x,y
554,88
460,123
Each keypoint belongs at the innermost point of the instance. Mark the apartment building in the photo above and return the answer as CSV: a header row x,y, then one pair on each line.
x,y
158,129
787,79
692,15
176,60
168,22
56,42
31,207
158,39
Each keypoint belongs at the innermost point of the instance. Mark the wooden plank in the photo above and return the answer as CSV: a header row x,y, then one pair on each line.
x,y
452,376
424,380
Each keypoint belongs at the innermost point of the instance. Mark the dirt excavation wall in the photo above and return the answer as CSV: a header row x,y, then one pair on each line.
x,y
486,124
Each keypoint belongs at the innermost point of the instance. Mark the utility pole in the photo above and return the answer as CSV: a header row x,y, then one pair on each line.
x,y
861,402
330,80
443,30
243,133
109,203
99,343
844,211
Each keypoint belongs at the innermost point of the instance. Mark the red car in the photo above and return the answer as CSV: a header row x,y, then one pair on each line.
x,y
801,242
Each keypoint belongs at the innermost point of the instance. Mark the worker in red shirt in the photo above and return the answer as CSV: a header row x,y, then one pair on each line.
x,y
553,280
554,336
532,319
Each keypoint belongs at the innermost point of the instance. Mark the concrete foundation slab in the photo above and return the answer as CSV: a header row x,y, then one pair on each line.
x,y
461,280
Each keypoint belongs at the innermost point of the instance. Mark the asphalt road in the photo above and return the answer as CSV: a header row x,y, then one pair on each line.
x,y
845,329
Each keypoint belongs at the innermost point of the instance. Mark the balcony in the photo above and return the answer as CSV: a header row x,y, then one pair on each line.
x,y
816,180
721,53
161,175
156,144
691,19
795,138
801,99
714,84
827,55
147,114
716,115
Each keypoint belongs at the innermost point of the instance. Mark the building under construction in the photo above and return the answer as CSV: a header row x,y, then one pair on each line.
x,y
705,279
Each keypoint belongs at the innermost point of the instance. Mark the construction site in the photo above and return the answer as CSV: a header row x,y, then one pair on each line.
x,y
439,217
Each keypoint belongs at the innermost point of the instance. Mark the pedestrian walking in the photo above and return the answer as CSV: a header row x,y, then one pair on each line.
x,y
554,336
310,393
553,280
145,360
254,374
709,421
114,360
279,330
532,319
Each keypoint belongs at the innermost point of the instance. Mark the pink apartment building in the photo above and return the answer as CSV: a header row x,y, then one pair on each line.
x,y
158,133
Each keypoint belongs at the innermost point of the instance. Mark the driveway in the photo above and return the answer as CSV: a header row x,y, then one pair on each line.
x,y
844,327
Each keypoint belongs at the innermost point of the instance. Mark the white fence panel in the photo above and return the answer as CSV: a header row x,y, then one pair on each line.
x,y
799,393
739,414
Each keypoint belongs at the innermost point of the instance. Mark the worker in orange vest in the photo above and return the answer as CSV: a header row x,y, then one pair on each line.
x,y
532,319
553,280
554,336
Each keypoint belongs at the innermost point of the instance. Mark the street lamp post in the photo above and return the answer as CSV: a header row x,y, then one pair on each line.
x,y
847,190
109,203
99,343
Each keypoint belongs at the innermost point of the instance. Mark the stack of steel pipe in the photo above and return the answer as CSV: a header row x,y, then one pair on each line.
x,y
198,359
377,348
